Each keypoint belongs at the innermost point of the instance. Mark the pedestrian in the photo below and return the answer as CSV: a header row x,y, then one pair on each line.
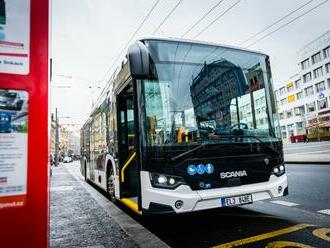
x,y
305,138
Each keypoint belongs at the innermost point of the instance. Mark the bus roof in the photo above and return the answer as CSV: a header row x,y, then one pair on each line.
x,y
198,42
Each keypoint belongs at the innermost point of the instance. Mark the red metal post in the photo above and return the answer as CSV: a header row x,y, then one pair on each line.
x,y
28,225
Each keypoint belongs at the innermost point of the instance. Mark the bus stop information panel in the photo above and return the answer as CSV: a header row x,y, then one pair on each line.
x,y
24,123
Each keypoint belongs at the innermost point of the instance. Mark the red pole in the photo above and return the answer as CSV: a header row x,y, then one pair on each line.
x,y
27,224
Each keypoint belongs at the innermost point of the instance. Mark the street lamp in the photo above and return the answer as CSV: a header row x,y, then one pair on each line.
x,y
57,136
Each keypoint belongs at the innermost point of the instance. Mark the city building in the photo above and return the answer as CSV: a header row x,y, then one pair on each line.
x,y
63,140
303,101
74,143
52,139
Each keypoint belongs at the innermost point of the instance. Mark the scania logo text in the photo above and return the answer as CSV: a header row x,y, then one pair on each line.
x,y
230,174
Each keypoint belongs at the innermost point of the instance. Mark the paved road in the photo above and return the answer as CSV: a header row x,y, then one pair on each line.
x,y
309,187
302,217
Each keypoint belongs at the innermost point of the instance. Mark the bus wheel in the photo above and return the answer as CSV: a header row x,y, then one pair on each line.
x,y
111,184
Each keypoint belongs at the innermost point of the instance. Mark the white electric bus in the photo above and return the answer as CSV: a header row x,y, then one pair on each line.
x,y
186,126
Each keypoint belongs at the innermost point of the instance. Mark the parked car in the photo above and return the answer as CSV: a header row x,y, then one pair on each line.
x,y
67,159
11,101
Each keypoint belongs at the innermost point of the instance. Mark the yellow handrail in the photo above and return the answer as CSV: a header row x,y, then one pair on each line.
x,y
131,204
125,166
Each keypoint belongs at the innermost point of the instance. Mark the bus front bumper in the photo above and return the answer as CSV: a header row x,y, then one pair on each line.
x,y
158,201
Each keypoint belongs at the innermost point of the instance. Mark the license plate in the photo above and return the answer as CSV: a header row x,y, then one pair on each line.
x,y
236,200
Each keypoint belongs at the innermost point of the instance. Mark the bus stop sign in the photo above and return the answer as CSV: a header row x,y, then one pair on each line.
x,y
24,177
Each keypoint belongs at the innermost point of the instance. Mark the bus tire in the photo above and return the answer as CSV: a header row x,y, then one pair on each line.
x,y
111,182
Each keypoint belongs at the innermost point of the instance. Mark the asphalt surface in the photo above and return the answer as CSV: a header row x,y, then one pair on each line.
x,y
274,223
309,187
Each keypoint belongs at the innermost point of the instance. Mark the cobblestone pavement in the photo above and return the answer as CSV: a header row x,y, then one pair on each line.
x,y
77,220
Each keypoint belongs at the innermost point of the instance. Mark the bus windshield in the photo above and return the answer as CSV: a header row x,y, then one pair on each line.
x,y
204,93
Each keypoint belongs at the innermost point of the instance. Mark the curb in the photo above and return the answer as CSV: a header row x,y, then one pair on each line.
x,y
137,232
308,162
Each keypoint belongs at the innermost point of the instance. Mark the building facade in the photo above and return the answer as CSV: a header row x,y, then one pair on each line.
x,y
303,101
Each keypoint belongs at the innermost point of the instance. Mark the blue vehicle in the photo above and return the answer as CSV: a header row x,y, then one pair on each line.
x,y
5,122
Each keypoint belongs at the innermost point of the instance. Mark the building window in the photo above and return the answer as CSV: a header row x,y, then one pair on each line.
x,y
289,113
299,95
305,64
327,67
299,125
322,104
318,72
282,91
320,86
289,87
316,58
290,127
291,98
307,77
297,83
284,135
309,91
310,107
283,128
327,52
283,101
282,116
299,111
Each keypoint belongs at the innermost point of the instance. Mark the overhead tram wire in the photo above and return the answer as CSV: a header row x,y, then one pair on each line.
x,y
216,19
127,43
276,22
132,36
168,15
202,18
286,24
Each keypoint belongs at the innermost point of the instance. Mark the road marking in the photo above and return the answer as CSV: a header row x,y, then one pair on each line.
x,y
282,244
285,203
324,211
322,233
264,236
323,151
61,188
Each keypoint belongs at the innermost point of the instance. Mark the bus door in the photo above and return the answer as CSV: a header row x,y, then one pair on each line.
x,y
127,131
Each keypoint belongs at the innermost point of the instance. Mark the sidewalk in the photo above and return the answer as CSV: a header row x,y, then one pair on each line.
x,y
76,219
308,158
311,152
80,216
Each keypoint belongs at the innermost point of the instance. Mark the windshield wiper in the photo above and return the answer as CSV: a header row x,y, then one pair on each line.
x,y
268,147
189,151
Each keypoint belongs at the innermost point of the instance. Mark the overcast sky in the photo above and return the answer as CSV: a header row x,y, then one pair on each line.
x,y
87,36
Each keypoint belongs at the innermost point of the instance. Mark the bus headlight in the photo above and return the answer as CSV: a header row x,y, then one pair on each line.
x,y
279,170
165,181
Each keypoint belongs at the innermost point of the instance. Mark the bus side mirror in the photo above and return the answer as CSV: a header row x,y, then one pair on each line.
x,y
138,60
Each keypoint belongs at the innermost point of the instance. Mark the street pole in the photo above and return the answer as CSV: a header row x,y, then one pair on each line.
x,y
56,139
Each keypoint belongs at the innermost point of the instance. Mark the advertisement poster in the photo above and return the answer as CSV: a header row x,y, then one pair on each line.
x,y
13,147
14,36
